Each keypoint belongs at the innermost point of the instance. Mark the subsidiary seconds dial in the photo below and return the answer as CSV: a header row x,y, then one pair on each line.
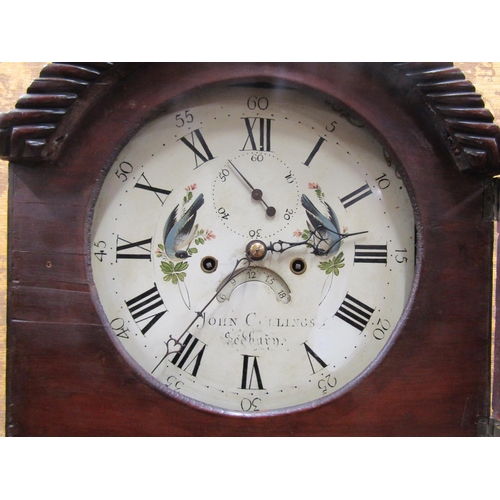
x,y
255,194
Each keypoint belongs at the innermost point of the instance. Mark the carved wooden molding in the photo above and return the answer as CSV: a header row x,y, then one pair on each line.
x,y
459,113
439,91
25,131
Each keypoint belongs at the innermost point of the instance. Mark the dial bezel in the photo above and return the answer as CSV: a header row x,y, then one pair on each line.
x,y
175,103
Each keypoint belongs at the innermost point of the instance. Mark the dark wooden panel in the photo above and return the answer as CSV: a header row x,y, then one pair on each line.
x,y
45,305
50,270
48,227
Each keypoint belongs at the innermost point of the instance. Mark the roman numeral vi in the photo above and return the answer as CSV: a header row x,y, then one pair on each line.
x,y
250,378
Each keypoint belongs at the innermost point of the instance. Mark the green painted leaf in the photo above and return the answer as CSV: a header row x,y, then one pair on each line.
x,y
192,251
165,267
339,258
325,265
178,267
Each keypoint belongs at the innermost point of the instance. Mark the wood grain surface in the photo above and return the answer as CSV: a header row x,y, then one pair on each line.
x,y
16,77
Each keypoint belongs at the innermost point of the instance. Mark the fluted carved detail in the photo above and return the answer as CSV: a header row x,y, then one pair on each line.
x,y
439,92
25,131
467,127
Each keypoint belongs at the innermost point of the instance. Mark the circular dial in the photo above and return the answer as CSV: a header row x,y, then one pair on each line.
x,y
261,207
253,249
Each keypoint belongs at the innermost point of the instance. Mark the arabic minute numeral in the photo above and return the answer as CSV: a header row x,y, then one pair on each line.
x,y
182,118
254,102
331,127
248,404
327,383
288,214
401,259
173,383
100,245
124,170
383,326
383,182
118,326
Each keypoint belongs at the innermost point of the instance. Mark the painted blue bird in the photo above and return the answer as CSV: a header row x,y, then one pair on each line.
x,y
178,235
325,230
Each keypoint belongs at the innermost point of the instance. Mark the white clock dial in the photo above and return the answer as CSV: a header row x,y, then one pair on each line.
x,y
284,328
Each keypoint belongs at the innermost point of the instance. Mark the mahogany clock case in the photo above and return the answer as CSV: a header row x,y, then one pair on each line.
x,y
65,376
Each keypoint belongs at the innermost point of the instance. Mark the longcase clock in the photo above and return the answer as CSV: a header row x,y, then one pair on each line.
x,y
251,249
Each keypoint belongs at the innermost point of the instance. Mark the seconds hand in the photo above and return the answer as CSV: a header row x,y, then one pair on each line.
x,y
256,193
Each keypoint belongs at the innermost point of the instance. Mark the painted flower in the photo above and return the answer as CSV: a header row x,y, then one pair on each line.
x,y
203,235
298,233
317,190
189,194
160,251
209,235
